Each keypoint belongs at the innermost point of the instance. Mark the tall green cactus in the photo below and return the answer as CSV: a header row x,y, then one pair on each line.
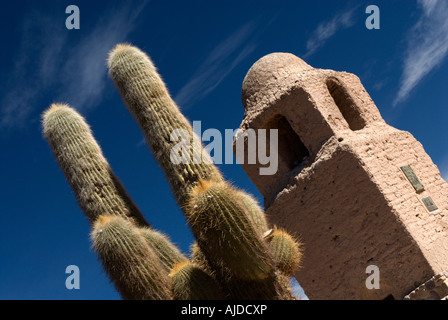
x,y
130,262
96,187
253,209
147,98
232,258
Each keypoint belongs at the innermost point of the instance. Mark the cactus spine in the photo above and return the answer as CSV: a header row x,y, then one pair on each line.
x,y
130,262
97,189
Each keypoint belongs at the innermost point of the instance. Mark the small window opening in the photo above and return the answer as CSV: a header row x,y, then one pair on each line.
x,y
346,105
291,150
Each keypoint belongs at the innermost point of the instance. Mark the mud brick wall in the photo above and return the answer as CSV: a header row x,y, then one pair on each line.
x,y
340,186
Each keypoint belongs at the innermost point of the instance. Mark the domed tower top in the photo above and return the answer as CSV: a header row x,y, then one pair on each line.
x,y
339,96
274,71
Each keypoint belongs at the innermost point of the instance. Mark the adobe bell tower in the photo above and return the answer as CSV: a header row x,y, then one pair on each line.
x,y
357,191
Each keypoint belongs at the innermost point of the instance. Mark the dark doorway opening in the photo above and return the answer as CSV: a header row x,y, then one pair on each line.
x,y
346,105
291,150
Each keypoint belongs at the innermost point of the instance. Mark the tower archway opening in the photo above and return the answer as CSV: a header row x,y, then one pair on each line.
x,y
292,152
345,104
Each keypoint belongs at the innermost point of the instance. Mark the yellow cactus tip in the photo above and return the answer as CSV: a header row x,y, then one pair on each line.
x,y
118,48
57,106
177,267
54,107
104,219
202,185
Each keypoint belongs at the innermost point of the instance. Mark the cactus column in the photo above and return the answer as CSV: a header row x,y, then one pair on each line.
x,y
97,189
147,98
131,263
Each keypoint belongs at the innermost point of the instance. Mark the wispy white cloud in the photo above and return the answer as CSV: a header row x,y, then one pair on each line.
x,y
85,73
217,65
427,46
428,5
49,64
30,73
327,29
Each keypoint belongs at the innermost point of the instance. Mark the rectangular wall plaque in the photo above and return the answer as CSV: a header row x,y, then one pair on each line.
x,y
412,177
429,204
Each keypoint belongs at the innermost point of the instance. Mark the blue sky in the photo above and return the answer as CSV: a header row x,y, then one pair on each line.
x,y
203,50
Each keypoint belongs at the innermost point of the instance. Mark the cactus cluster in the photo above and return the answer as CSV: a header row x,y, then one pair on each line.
x,y
235,255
